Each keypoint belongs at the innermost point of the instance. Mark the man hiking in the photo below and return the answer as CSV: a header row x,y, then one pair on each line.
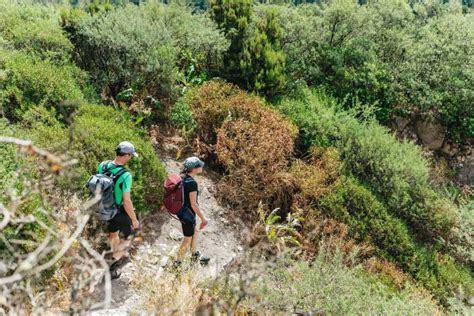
x,y
125,221
187,215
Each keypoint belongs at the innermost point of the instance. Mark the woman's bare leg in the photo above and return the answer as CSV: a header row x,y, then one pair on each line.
x,y
194,241
184,247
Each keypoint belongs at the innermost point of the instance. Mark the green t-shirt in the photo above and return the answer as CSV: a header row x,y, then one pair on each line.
x,y
123,184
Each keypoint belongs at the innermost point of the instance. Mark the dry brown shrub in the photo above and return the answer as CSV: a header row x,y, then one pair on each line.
x,y
315,177
254,155
317,229
217,101
388,271
48,265
251,143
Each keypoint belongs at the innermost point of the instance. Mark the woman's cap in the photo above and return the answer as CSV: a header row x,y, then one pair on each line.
x,y
193,163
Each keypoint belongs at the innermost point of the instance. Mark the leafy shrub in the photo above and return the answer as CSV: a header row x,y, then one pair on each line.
x,y
405,60
8,163
120,52
182,117
396,171
96,131
30,80
343,56
34,29
368,220
441,275
462,241
326,285
30,202
435,75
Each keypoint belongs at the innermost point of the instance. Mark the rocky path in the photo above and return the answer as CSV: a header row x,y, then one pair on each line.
x,y
162,236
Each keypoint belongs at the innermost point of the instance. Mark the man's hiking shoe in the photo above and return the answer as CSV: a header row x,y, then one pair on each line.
x,y
202,259
114,274
119,263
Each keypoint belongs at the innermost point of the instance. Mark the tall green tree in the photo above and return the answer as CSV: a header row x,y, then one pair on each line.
x,y
263,61
233,17
254,59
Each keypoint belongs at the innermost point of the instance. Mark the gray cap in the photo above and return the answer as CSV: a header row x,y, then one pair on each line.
x,y
192,163
127,148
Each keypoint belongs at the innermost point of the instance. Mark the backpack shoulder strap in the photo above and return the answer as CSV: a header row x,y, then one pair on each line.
x,y
122,171
105,166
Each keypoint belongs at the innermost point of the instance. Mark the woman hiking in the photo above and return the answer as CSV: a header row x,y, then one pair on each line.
x,y
187,215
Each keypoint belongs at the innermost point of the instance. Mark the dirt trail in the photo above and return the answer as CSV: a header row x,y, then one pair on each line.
x,y
162,237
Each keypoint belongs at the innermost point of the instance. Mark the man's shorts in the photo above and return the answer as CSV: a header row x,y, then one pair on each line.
x,y
121,222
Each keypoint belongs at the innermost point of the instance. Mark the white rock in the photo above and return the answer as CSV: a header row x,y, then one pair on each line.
x,y
175,235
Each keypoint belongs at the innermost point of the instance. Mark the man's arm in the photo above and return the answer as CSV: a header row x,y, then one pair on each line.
x,y
128,205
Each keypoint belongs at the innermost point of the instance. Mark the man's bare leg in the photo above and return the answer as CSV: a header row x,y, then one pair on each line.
x,y
114,240
119,247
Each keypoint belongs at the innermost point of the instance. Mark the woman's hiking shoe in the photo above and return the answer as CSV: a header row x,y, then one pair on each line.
x,y
202,259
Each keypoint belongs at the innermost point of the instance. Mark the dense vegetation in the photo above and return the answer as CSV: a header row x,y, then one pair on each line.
x,y
295,124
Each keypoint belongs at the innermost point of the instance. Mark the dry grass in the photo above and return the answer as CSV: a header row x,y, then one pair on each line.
x,y
169,292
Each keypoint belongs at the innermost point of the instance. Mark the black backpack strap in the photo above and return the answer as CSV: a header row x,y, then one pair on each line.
x,y
120,173
105,166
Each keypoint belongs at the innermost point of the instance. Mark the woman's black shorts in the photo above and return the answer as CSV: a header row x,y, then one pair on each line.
x,y
188,228
121,222
188,221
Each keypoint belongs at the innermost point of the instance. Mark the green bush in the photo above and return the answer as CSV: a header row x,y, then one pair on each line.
x,y
8,163
119,52
182,118
96,131
405,60
326,286
436,75
29,80
441,275
395,171
34,29
460,245
369,221
144,52
29,204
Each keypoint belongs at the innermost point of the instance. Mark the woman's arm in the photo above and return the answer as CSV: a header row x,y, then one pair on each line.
x,y
195,206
